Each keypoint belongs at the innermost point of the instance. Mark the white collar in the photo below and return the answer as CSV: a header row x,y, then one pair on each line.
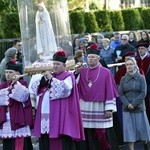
x,y
106,48
142,57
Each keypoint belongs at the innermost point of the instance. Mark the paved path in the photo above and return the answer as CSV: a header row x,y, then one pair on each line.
x,y
138,146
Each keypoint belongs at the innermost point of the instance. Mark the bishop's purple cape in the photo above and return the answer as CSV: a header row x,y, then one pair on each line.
x,y
65,115
103,89
20,115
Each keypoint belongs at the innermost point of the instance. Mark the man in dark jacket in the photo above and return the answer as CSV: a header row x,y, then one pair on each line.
x,y
122,49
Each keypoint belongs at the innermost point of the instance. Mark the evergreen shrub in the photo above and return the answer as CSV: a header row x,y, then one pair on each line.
x,y
145,14
117,20
132,19
90,22
77,22
103,20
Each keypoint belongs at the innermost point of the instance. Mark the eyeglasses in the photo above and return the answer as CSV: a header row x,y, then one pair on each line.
x,y
124,39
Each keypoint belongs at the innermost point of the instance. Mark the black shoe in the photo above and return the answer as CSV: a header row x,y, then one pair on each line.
x,y
147,146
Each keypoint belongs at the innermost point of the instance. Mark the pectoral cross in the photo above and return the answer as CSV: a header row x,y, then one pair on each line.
x,y
90,83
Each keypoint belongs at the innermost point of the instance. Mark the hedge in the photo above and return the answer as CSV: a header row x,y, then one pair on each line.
x,y
103,20
145,14
77,22
117,20
81,22
90,22
132,19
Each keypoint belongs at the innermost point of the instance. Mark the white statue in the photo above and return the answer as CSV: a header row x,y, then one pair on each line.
x,y
45,39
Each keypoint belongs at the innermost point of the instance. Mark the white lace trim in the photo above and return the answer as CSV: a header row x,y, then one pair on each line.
x,y
4,97
60,89
6,132
44,123
34,83
19,93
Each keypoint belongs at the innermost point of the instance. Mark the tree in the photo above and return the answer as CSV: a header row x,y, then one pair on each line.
x,y
83,4
8,6
9,20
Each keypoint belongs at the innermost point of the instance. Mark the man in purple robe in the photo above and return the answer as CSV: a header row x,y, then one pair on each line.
x,y
98,101
15,111
58,122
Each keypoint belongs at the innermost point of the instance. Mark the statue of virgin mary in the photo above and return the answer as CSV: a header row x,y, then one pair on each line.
x,y
45,39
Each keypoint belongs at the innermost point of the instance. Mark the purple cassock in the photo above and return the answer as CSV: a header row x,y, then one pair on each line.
x,y
98,94
97,85
20,112
97,91
64,113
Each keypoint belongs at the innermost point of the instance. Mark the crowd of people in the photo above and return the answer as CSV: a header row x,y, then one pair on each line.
x,y
96,107
119,49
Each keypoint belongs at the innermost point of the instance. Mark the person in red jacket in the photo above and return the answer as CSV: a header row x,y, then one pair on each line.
x,y
143,62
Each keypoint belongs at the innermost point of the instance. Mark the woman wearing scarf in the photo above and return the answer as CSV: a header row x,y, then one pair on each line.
x,y
132,92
